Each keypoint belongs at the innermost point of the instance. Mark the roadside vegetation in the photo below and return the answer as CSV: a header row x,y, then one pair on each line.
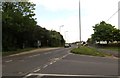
x,y
84,50
105,32
113,47
6,53
116,49
20,29
105,36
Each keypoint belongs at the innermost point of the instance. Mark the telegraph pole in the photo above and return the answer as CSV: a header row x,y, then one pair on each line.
x,y
79,21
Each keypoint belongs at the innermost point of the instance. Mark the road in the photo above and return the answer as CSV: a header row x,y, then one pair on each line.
x,y
58,62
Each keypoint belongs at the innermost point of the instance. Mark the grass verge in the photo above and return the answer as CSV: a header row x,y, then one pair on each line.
x,y
112,46
17,51
116,49
83,50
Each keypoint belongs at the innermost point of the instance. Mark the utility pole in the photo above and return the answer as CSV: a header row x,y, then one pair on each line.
x,y
60,28
66,36
118,15
79,21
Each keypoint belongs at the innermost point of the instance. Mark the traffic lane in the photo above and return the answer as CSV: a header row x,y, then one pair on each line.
x,y
29,53
30,56
83,65
88,58
30,64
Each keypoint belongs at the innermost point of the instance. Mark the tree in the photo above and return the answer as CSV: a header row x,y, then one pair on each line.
x,y
116,35
20,29
18,23
56,39
103,32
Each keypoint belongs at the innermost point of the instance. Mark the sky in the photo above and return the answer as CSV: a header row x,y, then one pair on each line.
x,y
63,16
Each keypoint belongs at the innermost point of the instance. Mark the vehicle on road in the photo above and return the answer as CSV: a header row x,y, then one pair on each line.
x,y
67,45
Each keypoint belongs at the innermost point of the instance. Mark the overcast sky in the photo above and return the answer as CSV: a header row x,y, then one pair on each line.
x,y
51,14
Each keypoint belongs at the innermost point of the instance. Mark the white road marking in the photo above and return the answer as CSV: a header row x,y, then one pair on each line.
x,y
67,75
28,75
37,70
34,55
51,62
20,72
8,61
45,66
54,61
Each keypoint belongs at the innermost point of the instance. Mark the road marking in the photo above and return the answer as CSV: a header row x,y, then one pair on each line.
x,y
51,62
54,61
20,72
68,75
37,70
8,61
45,66
27,75
34,55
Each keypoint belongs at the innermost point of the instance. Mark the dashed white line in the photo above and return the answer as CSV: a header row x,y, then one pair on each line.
x,y
51,62
34,55
45,66
54,61
37,70
20,72
8,61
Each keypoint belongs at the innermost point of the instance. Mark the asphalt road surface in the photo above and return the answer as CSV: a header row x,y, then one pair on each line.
x,y
58,62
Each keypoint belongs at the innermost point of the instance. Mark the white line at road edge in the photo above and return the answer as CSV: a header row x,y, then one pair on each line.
x,y
39,74
8,61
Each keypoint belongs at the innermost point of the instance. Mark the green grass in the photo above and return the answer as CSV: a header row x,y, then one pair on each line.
x,y
88,51
17,51
112,48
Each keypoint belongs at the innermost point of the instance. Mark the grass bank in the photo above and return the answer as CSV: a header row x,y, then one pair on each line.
x,y
17,51
84,50
116,49
113,46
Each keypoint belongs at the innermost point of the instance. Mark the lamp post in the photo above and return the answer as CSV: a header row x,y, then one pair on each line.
x,y
65,35
118,15
79,21
60,28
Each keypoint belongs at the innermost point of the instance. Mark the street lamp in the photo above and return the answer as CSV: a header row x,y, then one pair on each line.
x,y
65,35
60,28
79,22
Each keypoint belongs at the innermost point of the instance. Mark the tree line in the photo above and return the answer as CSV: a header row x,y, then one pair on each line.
x,y
20,29
105,32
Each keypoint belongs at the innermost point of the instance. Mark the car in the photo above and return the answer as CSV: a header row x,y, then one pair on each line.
x,y
67,45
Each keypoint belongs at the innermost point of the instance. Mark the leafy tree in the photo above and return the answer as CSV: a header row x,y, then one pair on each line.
x,y
56,39
103,32
116,35
17,22
20,29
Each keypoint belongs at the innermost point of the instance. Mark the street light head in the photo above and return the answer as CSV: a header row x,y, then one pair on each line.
x,y
62,26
